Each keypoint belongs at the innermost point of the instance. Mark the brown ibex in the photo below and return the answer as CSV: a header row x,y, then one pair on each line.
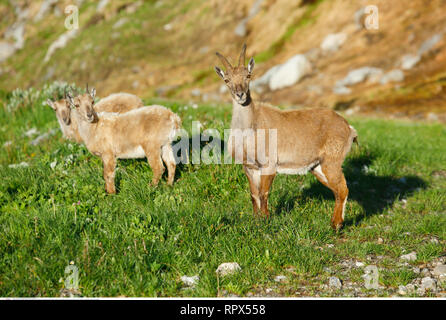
x,y
117,102
143,132
315,140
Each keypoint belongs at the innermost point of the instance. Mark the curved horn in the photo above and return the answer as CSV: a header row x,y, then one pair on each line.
x,y
241,59
224,61
88,91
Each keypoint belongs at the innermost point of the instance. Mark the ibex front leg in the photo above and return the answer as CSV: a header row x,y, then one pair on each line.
x,y
254,185
266,182
109,162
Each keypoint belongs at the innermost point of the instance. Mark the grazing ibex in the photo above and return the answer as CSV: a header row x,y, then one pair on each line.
x,y
117,102
143,132
315,140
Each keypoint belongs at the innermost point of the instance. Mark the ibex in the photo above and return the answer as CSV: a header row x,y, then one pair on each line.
x,y
315,140
143,132
117,102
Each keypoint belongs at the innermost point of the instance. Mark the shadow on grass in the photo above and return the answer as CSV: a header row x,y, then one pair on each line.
x,y
374,193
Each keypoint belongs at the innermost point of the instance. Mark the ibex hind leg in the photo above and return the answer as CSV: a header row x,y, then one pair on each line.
x,y
330,174
169,161
153,155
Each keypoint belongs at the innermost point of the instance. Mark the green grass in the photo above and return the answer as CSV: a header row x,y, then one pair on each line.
x,y
142,240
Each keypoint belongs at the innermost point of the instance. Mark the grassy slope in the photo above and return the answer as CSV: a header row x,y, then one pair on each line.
x,y
141,241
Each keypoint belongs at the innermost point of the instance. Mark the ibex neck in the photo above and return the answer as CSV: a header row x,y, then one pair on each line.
x,y
242,115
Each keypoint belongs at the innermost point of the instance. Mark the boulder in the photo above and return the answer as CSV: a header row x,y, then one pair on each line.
x,y
333,42
290,73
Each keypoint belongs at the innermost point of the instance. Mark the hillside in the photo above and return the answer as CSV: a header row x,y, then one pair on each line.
x,y
166,48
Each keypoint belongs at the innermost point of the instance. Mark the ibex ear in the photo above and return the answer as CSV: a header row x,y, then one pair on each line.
x,y
251,65
93,93
220,73
51,104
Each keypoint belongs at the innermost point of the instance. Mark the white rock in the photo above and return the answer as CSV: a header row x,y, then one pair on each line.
x,y
395,75
6,50
190,281
359,75
429,44
20,165
427,283
409,257
290,72
53,164
439,270
31,132
333,42
168,27
334,283
260,84
341,90
359,264
432,116
409,61
280,279
44,9
402,290
60,43
228,268
101,5
118,24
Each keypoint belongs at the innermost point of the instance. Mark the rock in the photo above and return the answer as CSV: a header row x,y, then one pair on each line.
x,y
228,268
341,90
101,5
359,264
168,27
20,165
359,75
432,116
334,283
118,24
439,270
380,241
416,270
260,84
409,61
427,283
402,290
290,72
53,164
241,29
190,281
429,44
31,132
333,42
409,257
395,75
60,43
195,92
6,50
280,279
45,7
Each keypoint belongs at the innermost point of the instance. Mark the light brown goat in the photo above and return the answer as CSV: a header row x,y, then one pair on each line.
x,y
315,140
117,102
144,132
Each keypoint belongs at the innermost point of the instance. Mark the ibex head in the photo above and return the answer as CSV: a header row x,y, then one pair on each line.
x,y
84,105
237,78
62,108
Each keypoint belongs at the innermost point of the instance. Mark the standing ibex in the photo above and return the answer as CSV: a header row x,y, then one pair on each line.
x,y
315,140
143,132
117,102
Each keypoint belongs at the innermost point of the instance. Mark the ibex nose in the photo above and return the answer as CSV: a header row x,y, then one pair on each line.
x,y
240,95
